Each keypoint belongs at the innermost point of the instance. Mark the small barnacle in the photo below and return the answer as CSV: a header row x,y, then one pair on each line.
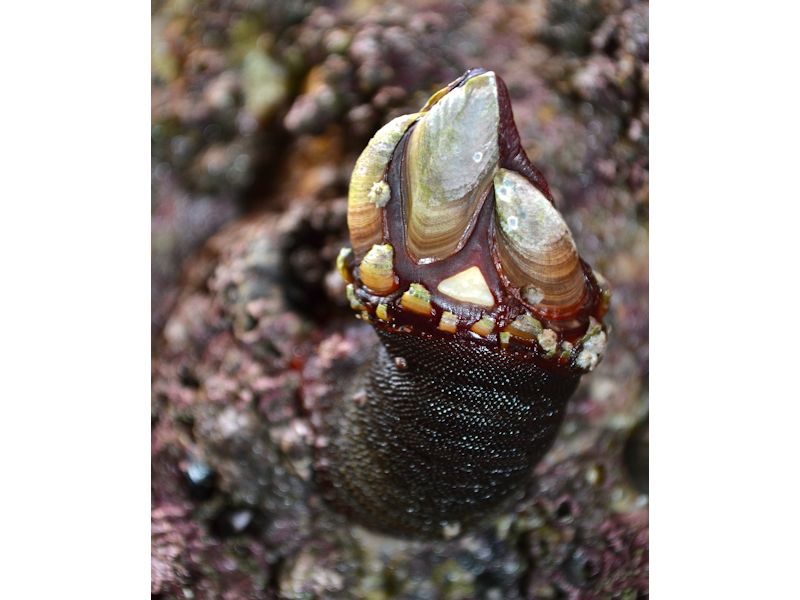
x,y
596,343
417,299
381,313
587,360
379,194
593,345
343,264
548,340
483,327
448,322
377,271
355,303
525,326
532,295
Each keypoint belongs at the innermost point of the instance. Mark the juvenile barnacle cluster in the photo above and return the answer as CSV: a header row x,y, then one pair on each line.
x,y
450,221
486,316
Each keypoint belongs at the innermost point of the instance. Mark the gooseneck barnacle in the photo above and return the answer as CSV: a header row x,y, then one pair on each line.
x,y
486,314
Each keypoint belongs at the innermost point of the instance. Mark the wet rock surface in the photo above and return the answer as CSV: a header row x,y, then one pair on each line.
x,y
260,110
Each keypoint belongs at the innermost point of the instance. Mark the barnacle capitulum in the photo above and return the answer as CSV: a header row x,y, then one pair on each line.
x,y
474,284
445,205
377,270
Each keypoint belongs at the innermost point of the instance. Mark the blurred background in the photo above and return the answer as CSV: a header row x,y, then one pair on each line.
x,y
259,110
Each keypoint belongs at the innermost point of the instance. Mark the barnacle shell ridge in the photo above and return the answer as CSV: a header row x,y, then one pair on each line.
x,y
451,156
369,192
536,248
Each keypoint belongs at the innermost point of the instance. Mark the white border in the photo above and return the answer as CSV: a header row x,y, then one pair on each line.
x,y
75,300
724,300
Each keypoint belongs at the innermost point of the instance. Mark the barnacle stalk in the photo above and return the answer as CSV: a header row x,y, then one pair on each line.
x,y
486,315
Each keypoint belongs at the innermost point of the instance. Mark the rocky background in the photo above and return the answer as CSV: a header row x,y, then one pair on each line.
x,y
259,110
